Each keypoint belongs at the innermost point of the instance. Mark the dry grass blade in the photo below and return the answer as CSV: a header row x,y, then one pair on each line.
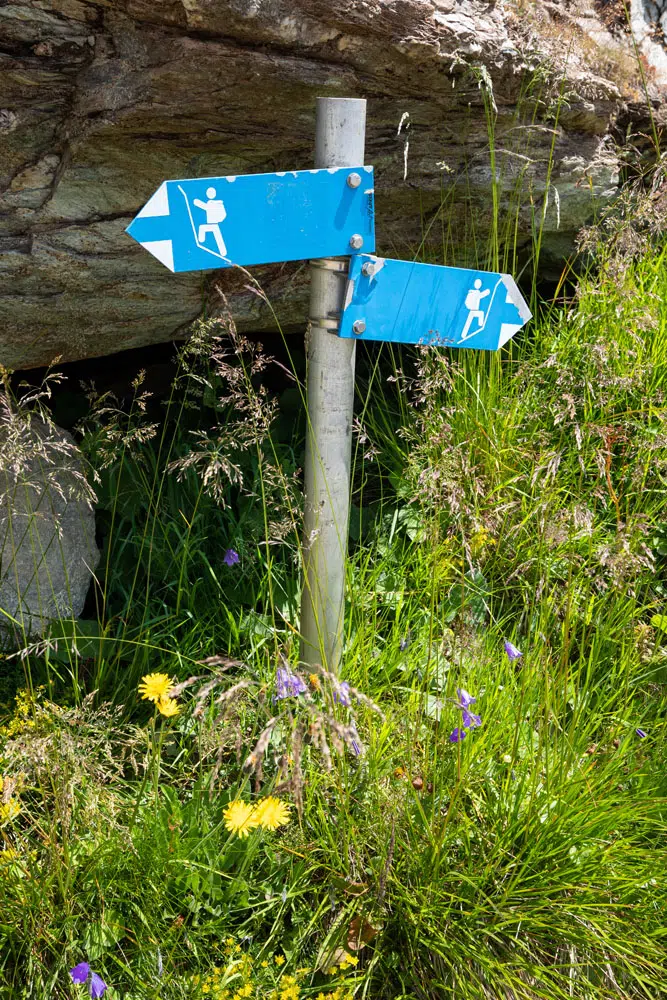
x,y
253,761
178,689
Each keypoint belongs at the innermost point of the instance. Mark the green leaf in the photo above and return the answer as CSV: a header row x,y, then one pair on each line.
x,y
659,621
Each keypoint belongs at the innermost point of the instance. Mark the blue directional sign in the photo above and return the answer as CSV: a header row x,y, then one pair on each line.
x,y
408,303
194,225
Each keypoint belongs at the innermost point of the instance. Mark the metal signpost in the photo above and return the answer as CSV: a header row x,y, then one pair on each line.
x,y
339,141
328,213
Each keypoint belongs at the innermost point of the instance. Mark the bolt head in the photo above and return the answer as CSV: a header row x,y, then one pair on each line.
x,y
359,326
368,268
356,241
353,180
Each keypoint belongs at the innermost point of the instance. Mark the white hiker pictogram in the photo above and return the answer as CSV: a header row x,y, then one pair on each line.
x,y
472,304
215,214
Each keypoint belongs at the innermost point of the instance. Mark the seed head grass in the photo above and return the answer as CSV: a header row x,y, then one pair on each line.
x,y
476,806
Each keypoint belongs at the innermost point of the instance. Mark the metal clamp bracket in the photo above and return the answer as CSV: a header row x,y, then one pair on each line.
x,y
328,323
336,264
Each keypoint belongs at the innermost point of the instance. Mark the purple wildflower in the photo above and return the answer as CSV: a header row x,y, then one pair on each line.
x,y
356,745
641,733
512,652
288,685
470,720
404,643
80,972
97,986
231,557
465,699
457,735
342,693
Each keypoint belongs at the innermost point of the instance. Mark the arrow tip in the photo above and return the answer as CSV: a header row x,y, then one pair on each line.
x,y
163,250
157,204
516,298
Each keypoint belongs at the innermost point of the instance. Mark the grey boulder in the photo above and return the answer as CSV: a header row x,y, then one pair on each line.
x,y
47,525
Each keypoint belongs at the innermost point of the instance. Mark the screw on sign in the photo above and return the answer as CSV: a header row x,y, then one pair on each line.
x,y
326,214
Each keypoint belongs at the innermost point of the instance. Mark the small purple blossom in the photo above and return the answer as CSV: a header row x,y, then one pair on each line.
x,y
470,720
97,986
342,693
288,685
512,652
404,643
641,733
357,748
465,699
80,972
231,557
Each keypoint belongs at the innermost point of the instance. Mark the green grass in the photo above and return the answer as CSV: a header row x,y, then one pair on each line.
x,y
519,496
524,500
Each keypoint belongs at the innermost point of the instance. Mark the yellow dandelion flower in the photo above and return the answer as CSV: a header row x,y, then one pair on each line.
x,y
246,990
153,687
314,681
279,960
168,707
230,941
240,818
272,813
264,964
9,810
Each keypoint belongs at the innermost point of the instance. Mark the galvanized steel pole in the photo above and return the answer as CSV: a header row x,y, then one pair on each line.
x,y
339,142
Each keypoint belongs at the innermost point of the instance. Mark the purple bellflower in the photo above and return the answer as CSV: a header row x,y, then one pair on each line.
x,y
641,734
342,693
469,719
288,685
512,652
357,748
231,557
80,972
96,986
465,699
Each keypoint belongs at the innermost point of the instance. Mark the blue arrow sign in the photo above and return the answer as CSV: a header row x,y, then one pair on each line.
x,y
194,225
408,303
